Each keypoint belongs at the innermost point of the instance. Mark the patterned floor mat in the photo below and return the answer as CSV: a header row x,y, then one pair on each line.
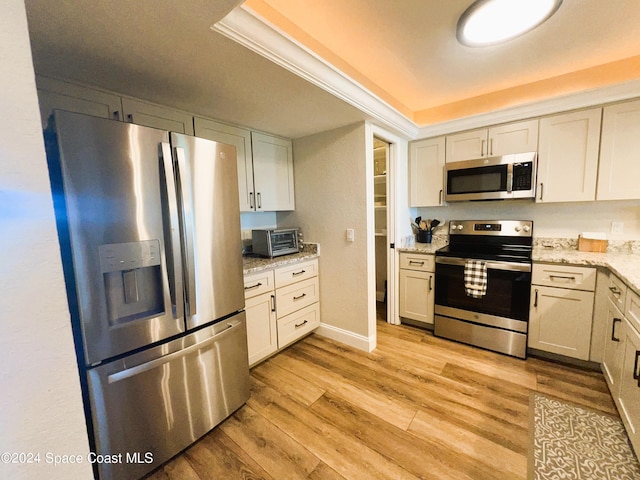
x,y
575,443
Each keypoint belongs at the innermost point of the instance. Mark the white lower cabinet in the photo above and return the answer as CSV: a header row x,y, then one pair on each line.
x,y
561,315
417,281
262,334
260,298
629,392
282,306
612,356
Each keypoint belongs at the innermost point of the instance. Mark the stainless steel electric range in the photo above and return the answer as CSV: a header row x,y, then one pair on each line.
x,y
483,285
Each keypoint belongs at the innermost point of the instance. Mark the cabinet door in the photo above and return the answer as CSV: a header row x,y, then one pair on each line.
x,y
466,145
426,172
272,172
560,321
74,98
629,394
568,156
241,139
156,116
519,137
613,348
417,295
262,336
618,174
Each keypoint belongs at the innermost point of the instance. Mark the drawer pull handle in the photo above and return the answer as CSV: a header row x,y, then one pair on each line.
x,y
615,291
295,274
636,376
413,262
259,284
563,277
613,329
298,325
300,296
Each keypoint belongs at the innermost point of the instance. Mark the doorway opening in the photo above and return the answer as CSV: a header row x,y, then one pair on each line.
x,y
380,189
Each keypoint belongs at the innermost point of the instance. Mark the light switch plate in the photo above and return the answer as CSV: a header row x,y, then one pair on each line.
x,y
350,235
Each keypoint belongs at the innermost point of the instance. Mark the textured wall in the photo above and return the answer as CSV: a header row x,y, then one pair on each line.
x,y
330,179
41,407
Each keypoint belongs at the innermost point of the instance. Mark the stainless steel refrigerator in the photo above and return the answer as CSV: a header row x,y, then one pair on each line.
x,y
149,230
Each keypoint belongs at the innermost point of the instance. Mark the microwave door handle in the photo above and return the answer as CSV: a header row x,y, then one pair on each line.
x,y
184,175
509,177
172,236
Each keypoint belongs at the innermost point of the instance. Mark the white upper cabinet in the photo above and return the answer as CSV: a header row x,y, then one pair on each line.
x,y
519,137
426,172
568,156
272,173
241,139
54,93
619,172
156,116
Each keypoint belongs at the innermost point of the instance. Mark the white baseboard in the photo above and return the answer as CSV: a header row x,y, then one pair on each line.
x,y
348,338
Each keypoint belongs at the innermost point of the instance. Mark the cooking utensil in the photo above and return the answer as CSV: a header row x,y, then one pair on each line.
x,y
434,223
423,225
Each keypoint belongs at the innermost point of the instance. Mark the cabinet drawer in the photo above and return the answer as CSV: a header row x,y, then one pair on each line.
x,y
563,276
617,292
296,296
417,261
632,309
294,326
258,283
296,272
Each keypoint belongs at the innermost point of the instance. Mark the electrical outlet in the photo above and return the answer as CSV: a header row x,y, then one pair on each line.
x,y
617,228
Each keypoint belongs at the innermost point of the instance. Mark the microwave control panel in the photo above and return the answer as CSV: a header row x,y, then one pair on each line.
x,y
522,176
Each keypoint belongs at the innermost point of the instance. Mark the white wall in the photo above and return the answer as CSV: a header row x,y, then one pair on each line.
x,y
561,220
330,179
41,406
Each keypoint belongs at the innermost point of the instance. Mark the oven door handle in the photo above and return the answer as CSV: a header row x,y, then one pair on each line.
x,y
509,266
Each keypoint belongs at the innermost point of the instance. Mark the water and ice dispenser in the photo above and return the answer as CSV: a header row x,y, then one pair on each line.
x,y
132,275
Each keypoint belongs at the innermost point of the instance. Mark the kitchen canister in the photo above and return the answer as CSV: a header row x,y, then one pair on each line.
x,y
424,236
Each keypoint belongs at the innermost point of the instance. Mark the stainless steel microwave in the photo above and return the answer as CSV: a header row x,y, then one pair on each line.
x,y
492,178
272,242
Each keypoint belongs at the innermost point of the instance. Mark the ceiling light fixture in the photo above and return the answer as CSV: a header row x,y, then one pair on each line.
x,y
487,22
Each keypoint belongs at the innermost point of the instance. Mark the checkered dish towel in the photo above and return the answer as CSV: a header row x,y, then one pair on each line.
x,y
475,278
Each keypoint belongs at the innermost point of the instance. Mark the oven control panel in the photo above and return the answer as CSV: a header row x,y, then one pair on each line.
x,y
511,228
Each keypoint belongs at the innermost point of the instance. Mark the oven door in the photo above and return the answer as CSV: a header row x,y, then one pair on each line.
x,y
506,303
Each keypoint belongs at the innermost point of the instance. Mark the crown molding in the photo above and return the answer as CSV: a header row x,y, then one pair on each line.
x,y
250,30
574,101
253,32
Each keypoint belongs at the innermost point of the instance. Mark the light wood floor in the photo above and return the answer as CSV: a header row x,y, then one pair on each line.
x,y
415,407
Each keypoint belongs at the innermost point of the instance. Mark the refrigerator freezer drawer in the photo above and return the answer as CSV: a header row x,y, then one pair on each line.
x,y
153,404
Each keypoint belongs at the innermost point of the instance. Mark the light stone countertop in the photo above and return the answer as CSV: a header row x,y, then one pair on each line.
x,y
252,264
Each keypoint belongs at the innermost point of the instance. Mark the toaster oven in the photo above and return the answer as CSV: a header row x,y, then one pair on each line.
x,y
274,242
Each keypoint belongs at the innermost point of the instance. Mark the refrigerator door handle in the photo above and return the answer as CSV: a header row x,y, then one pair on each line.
x,y
184,177
138,369
174,266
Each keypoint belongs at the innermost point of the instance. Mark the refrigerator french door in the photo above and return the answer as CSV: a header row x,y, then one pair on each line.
x,y
149,229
